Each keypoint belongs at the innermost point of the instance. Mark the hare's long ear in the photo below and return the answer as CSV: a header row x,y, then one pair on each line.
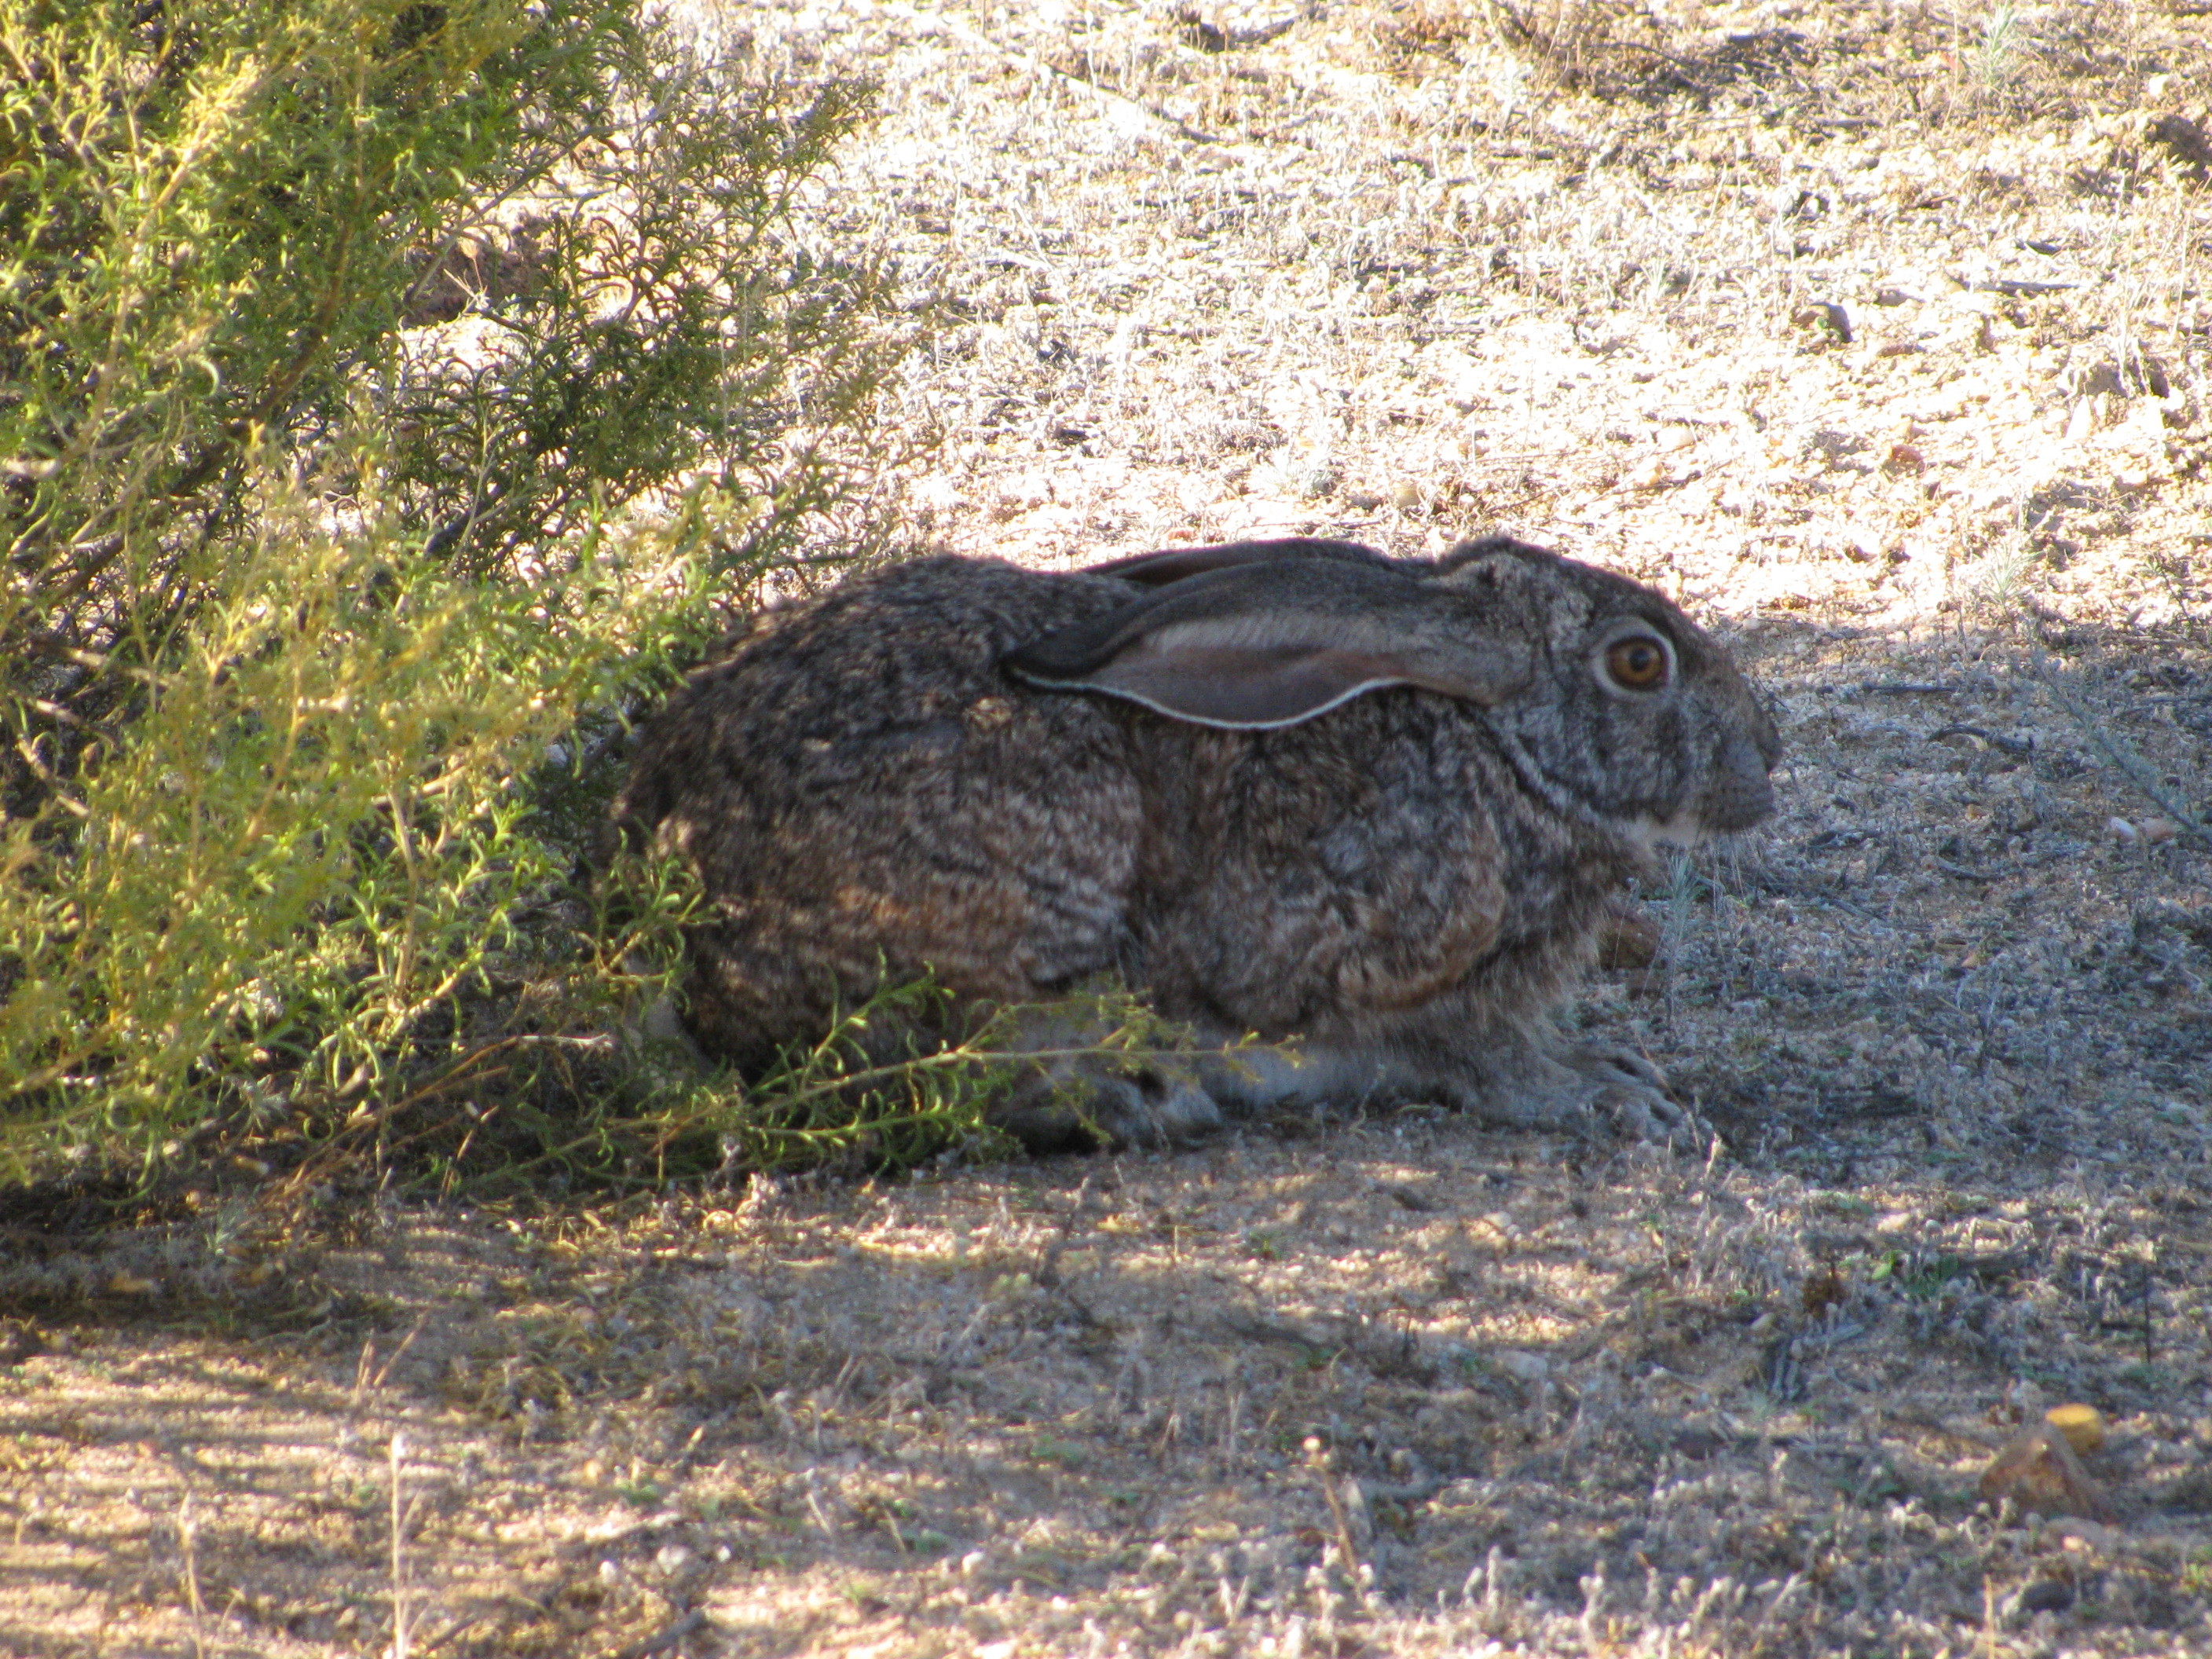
x,y
1173,564
1266,645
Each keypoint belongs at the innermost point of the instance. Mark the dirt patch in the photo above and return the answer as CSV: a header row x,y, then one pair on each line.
x,y
1405,1385
1877,338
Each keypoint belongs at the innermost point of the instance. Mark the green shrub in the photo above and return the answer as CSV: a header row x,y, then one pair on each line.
x,y
390,393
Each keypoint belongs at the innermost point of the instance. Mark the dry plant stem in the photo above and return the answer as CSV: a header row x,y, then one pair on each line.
x,y
1324,1467
2124,759
1119,106
188,1547
375,1121
399,1561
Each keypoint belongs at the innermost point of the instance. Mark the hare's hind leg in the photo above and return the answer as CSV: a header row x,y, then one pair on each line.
x,y
1513,1078
1077,1096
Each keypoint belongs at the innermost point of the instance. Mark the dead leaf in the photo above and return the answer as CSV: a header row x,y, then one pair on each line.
x,y
2082,1426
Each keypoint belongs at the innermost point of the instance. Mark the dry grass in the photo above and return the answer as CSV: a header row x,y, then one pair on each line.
x,y
1876,334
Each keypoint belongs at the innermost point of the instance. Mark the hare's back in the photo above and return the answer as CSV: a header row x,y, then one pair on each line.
x,y
884,679
861,789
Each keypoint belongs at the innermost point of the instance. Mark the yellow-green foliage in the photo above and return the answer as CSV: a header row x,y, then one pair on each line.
x,y
208,208
306,585
314,835
873,1089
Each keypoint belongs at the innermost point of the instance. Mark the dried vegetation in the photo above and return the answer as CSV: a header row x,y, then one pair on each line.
x,y
1875,332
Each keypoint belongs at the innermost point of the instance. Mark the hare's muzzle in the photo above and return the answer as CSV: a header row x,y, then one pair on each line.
x,y
1741,793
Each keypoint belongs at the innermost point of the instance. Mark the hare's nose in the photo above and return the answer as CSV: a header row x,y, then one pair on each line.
x,y
1744,794
1768,740
1749,759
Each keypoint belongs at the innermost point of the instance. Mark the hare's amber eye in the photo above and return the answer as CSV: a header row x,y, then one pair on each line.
x,y
1636,664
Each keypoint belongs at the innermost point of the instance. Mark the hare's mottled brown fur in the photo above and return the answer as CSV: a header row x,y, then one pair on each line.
x,y
1372,810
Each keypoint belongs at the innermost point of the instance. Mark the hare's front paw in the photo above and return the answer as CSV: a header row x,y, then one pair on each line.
x,y
1587,1089
1627,1093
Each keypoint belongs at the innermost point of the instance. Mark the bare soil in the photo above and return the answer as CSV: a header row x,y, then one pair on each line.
x,y
1877,334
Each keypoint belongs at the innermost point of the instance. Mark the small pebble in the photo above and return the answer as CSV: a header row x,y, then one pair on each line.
x,y
1522,1366
1628,940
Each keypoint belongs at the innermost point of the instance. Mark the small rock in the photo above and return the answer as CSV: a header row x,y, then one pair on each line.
x,y
1521,1365
1827,313
2098,1535
1698,1443
1627,938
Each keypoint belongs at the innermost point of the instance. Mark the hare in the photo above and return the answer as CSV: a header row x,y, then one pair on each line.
x,y
1373,811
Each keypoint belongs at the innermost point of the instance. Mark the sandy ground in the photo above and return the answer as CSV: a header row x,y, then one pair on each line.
x,y
1877,336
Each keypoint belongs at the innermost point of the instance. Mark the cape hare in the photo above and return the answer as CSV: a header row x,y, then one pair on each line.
x,y
1372,810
